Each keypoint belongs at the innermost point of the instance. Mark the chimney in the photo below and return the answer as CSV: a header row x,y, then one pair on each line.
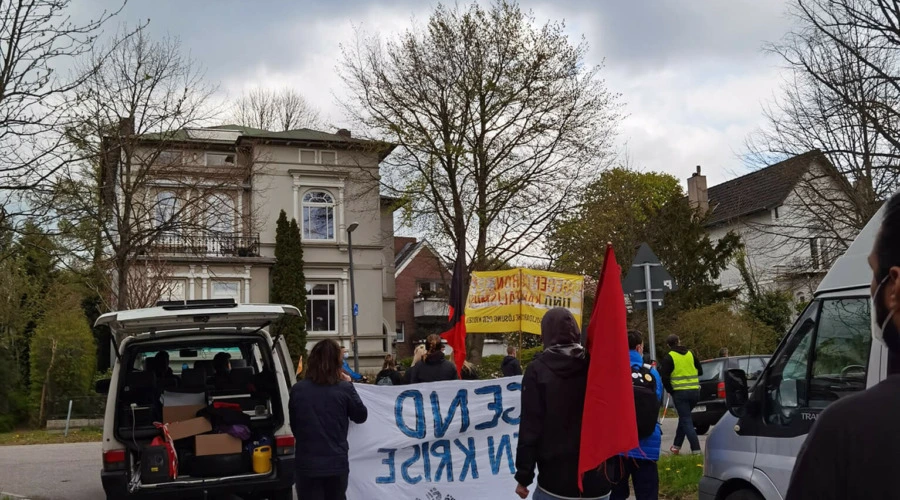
x,y
344,133
697,193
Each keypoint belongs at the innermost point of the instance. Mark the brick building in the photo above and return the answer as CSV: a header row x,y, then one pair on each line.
x,y
422,281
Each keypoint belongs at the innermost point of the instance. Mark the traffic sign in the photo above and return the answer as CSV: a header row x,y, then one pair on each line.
x,y
647,282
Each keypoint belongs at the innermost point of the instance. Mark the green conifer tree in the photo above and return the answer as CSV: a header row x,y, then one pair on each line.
x,y
289,284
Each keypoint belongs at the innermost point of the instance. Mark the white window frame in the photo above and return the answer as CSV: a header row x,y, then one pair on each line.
x,y
219,153
401,332
178,154
237,294
327,151
303,206
317,156
173,208
215,200
169,288
310,298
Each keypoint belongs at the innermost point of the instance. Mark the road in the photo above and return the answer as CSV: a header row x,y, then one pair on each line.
x,y
72,471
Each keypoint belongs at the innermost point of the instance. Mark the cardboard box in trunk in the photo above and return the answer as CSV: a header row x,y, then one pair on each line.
x,y
188,428
217,444
180,413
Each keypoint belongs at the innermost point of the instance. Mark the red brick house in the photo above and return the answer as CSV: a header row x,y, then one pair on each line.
x,y
422,284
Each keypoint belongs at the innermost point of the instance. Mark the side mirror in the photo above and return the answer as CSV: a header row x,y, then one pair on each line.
x,y
737,392
102,386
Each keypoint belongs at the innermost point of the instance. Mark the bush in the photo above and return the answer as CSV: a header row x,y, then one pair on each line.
x,y
710,328
63,353
490,365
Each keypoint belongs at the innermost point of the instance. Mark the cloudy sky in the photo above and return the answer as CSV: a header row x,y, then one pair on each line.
x,y
692,73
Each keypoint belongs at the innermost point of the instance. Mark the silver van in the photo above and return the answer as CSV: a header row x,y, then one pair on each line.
x,y
828,354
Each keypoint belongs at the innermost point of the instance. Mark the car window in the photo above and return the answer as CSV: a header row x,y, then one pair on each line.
x,y
711,370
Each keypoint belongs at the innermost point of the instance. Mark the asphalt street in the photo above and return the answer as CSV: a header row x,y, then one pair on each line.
x,y
72,471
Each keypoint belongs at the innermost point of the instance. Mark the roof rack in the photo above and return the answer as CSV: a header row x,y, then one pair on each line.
x,y
183,305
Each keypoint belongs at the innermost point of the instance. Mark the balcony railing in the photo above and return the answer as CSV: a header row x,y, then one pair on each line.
x,y
208,245
434,307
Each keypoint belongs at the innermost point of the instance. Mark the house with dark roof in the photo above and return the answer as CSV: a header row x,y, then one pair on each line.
x,y
327,182
771,210
422,282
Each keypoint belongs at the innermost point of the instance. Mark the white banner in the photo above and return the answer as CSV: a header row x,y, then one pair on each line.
x,y
439,441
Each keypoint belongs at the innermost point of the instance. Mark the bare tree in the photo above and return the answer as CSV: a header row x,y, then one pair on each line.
x,y
280,110
498,122
38,39
145,185
841,98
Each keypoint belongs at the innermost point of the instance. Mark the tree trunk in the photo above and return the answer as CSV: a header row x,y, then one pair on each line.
x,y
45,391
121,292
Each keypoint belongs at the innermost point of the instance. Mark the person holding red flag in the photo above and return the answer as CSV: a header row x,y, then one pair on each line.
x,y
553,391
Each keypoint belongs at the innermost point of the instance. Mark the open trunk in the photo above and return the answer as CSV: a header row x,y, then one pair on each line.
x,y
215,413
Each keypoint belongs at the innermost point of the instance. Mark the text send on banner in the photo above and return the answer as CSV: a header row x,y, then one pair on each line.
x,y
445,440
493,304
544,290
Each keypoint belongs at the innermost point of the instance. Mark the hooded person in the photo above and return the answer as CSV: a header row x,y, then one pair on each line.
x,y
553,389
434,367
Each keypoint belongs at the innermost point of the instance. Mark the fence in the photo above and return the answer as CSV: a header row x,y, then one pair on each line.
x,y
84,407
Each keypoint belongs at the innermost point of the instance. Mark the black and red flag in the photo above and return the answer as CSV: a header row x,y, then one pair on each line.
x,y
456,333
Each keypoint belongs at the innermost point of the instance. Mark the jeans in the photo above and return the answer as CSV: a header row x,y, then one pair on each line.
x,y
322,488
643,473
684,402
540,494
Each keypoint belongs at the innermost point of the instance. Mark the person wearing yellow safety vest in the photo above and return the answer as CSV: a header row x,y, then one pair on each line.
x,y
680,371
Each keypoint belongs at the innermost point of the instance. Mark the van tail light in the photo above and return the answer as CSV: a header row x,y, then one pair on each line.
x,y
114,460
284,445
720,390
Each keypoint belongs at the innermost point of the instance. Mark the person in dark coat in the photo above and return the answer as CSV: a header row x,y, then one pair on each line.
x,y
510,365
435,367
389,374
469,372
552,405
321,408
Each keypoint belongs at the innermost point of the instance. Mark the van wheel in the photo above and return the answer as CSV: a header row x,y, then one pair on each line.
x,y
701,429
744,495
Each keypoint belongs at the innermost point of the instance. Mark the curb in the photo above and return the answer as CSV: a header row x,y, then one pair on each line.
x,y
4,494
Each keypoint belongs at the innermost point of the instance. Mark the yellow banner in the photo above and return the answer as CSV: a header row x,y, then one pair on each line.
x,y
544,290
516,300
493,304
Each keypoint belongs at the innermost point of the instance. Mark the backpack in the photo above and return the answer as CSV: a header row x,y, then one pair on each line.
x,y
646,404
386,380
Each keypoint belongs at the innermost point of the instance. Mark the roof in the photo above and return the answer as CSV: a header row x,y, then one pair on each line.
x,y
409,251
300,134
764,189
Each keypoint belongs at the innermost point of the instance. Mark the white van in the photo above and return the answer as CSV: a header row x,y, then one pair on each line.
x,y
164,372
828,354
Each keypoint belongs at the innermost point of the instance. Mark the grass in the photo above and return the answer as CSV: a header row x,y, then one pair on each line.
x,y
679,476
29,436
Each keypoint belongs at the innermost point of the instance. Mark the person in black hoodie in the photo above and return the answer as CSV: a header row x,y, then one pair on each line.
x,y
510,365
552,404
435,367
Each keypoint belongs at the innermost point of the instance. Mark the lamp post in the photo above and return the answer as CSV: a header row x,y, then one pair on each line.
x,y
354,309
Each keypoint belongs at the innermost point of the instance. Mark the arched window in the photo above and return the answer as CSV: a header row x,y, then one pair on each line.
x,y
166,208
318,216
220,214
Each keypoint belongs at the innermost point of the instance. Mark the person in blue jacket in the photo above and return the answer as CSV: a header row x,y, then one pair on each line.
x,y
354,377
639,464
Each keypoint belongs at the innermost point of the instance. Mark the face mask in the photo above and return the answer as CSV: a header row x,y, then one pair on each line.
x,y
887,333
346,355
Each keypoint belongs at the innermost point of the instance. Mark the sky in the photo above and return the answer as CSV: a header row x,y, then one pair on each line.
x,y
692,74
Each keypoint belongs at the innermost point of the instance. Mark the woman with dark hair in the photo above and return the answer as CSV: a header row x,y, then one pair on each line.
x,y
222,366
321,407
389,374
435,367
851,450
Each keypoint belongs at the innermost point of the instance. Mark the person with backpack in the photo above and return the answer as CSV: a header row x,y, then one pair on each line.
x,y
389,374
681,370
639,464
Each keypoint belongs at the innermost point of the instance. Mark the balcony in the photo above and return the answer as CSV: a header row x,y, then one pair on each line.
x,y
431,307
208,245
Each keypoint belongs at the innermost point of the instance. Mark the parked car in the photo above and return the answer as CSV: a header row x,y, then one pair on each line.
x,y
144,389
711,406
827,354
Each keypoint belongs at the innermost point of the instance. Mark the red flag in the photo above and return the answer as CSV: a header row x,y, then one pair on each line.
x,y
609,424
456,334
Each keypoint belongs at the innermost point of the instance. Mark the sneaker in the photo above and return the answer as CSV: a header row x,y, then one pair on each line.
x,y
674,450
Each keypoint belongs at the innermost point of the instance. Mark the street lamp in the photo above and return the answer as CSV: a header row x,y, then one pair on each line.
x,y
352,227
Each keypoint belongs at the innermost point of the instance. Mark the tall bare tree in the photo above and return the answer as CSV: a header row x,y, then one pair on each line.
x,y
498,121
144,184
841,98
38,40
275,110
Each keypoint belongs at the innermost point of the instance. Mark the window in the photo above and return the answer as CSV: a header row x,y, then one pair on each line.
x,y
220,213
166,208
321,307
226,290
712,370
168,158
173,290
307,156
318,216
328,157
776,212
814,253
428,289
401,331
826,358
219,159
